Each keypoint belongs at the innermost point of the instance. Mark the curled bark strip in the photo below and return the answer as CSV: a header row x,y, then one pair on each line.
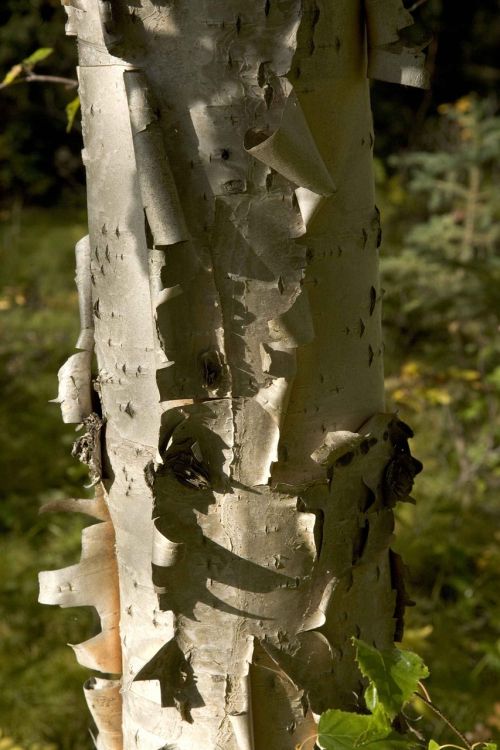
x,y
389,57
165,552
159,193
292,151
105,704
74,394
398,64
84,287
337,444
309,204
93,22
75,378
95,507
74,10
384,20
91,582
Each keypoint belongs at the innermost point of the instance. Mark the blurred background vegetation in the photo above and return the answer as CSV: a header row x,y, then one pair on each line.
x,y
437,170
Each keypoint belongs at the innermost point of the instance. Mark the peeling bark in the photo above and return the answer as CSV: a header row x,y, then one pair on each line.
x,y
231,270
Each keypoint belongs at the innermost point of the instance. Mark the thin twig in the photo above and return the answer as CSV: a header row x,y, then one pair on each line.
x,y
416,5
453,728
35,78
424,690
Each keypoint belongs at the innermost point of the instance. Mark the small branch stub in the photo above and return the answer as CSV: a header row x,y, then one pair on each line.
x,y
87,448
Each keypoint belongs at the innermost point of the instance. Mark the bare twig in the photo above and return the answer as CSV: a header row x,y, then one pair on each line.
x,y
416,5
69,82
424,690
439,713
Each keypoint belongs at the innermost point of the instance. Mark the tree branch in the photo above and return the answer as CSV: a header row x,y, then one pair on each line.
x,y
35,78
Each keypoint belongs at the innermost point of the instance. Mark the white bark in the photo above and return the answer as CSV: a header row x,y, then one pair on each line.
x,y
250,473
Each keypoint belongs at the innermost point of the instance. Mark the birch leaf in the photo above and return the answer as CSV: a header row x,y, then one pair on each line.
x,y
37,56
13,73
394,675
71,111
341,730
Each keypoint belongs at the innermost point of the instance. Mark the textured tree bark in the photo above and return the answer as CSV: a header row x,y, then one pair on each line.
x,y
229,284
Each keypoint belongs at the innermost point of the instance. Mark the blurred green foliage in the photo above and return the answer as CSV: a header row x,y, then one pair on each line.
x,y
42,699
441,269
38,160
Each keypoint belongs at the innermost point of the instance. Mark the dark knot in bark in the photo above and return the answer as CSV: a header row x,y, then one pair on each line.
x,y
399,474
185,461
212,368
87,448
399,477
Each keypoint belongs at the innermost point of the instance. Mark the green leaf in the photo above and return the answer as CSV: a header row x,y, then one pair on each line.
x,y
488,745
433,745
341,730
71,110
393,674
393,743
37,56
12,74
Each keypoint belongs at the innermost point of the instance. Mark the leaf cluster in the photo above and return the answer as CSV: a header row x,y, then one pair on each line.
x,y
393,677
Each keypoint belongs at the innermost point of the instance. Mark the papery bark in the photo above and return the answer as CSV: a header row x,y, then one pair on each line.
x,y
233,279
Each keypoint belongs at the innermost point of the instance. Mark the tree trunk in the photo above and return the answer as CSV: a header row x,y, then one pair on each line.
x,y
230,285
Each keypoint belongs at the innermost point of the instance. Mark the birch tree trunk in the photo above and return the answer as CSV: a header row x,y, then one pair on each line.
x,y
234,423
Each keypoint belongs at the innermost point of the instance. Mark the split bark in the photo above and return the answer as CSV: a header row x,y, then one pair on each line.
x,y
230,288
